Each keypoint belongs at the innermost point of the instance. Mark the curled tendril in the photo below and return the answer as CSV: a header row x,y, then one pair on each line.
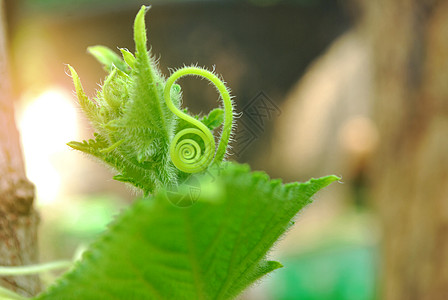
x,y
186,153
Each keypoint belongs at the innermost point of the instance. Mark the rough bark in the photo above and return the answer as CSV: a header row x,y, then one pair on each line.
x,y
410,170
18,220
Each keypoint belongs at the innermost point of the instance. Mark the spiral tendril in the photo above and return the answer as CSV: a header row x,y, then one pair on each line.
x,y
186,153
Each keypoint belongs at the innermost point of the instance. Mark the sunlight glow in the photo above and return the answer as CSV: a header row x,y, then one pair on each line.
x,y
47,123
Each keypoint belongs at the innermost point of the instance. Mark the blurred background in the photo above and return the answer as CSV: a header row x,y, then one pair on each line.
x,y
351,87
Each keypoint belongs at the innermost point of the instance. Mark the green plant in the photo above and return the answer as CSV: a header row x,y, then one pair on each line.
x,y
155,250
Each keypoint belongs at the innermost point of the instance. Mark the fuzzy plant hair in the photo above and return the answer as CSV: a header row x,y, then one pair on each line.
x,y
141,132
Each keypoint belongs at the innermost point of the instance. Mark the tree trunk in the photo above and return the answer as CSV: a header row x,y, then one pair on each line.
x,y
410,170
18,220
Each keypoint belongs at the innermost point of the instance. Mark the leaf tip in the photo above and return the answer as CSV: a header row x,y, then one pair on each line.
x,y
326,180
76,81
140,29
73,73
274,265
74,145
333,178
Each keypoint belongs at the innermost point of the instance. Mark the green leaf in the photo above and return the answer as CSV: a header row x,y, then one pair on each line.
x,y
211,250
146,110
214,119
128,57
131,116
90,108
108,58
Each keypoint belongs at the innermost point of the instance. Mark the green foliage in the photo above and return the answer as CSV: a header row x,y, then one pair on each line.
x,y
212,250
141,132
109,59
